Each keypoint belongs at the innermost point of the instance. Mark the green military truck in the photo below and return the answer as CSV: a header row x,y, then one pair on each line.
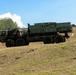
x,y
48,32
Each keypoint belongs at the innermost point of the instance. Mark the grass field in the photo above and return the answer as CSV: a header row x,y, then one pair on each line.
x,y
40,59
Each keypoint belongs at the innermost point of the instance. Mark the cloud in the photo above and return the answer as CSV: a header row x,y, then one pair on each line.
x,y
16,18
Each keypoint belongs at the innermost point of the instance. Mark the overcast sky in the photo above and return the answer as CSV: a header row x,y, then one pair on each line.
x,y
32,11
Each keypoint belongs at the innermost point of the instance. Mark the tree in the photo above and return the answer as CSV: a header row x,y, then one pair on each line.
x,y
7,23
73,25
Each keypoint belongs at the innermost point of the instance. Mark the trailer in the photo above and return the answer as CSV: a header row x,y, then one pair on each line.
x,y
48,32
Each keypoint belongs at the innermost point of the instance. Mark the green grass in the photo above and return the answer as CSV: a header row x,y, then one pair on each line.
x,y
39,59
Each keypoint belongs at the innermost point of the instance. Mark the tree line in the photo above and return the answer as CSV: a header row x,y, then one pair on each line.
x,y
7,23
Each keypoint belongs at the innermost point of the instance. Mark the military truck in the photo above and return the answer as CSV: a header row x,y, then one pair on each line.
x,y
48,32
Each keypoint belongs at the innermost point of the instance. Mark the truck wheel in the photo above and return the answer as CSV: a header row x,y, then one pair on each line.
x,y
47,40
10,43
20,42
59,39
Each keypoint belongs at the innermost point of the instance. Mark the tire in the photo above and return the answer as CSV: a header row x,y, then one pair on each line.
x,y
10,43
20,42
47,40
59,39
